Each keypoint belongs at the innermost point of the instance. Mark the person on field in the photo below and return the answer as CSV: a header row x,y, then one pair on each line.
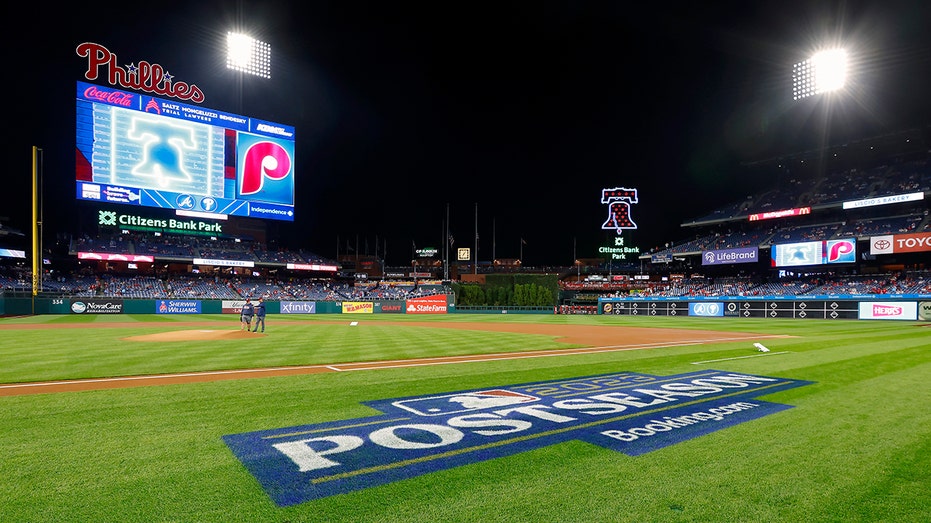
x,y
245,317
259,315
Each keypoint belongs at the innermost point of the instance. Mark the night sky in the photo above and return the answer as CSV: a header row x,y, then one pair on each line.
x,y
514,115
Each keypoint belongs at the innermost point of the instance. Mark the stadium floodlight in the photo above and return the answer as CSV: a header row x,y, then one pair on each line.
x,y
824,72
248,55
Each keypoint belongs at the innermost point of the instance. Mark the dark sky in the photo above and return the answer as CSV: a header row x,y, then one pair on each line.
x,y
517,113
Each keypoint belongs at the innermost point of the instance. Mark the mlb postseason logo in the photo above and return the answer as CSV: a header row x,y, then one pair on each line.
x,y
627,412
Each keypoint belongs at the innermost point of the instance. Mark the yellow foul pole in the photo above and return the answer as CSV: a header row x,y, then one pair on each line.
x,y
36,255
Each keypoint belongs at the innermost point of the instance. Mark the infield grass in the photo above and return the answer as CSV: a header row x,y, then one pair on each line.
x,y
855,447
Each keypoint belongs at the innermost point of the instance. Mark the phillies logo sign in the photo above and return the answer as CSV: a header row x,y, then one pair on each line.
x,y
148,77
265,169
840,251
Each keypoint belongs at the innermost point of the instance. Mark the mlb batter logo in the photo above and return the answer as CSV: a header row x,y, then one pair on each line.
x,y
461,403
266,169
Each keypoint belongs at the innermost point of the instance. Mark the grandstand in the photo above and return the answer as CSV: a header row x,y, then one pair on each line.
x,y
889,166
876,186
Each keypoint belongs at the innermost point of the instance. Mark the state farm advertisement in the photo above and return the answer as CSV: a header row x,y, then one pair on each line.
x,y
427,305
898,243
888,310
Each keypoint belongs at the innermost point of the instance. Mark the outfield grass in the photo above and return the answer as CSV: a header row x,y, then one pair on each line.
x,y
855,447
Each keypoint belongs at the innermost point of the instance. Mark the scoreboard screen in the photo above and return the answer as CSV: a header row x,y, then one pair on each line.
x,y
824,252
136,149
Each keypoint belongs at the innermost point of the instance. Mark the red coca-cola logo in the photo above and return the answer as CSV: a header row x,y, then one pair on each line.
x,y
111,97
144,76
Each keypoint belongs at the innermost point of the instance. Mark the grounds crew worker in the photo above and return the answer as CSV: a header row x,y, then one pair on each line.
x,y
259,314
245,317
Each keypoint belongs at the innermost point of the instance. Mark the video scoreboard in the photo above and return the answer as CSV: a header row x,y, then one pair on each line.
x,y
135,149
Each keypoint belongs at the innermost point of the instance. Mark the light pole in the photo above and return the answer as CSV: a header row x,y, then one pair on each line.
x,y
248,55
822,74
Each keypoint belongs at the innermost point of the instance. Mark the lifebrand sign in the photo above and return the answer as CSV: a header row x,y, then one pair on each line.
x,y
626,412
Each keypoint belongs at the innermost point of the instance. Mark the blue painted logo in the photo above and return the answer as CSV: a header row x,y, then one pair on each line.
x,y
627,412
706,309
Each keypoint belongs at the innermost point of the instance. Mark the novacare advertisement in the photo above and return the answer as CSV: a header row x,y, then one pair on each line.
x,y
97,306
625,412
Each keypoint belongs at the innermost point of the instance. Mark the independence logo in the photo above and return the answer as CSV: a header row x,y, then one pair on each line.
x,y
626,412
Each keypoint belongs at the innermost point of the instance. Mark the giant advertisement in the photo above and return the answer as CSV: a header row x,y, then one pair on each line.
x,y
136,149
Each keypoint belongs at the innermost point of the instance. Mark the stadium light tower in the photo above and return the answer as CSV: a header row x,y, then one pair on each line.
x,y
824,72
822,75
248,55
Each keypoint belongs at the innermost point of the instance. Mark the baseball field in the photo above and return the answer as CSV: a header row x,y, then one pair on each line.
x,y
463,417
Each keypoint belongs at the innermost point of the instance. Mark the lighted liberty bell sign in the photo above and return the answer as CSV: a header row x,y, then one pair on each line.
x,y
618,201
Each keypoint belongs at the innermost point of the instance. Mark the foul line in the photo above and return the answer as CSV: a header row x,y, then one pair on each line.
x,y
160,379
741,357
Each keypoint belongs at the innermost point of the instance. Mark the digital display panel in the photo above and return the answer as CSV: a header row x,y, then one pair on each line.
x,y
814,253
140,150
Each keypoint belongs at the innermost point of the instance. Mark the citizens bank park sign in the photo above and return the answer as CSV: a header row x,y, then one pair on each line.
x,y
626,412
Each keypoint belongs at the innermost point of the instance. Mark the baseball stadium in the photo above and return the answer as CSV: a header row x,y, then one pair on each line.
x,y
770,361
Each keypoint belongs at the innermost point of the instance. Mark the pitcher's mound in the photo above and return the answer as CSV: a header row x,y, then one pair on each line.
x,y
195,335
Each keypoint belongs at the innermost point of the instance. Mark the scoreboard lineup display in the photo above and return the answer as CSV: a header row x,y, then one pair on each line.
x,y
140,150
813,309
863,307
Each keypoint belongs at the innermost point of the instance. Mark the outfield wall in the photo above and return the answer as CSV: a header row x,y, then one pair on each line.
x,y
876,307
437,304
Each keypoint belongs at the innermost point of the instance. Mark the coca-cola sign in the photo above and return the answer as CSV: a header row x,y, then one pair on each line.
x,y
144,76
